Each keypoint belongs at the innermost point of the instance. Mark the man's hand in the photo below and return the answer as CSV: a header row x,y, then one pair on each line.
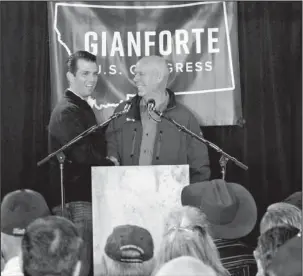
x,y
114,160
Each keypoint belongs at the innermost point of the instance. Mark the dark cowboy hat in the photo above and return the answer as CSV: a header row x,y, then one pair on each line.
x,y
230,208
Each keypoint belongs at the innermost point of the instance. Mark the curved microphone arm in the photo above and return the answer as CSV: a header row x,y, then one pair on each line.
x,y
85,133
224,156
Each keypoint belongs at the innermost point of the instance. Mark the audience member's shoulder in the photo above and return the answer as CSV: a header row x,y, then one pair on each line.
x,y
288,260
51,244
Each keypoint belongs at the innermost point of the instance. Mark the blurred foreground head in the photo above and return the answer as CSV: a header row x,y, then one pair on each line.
x,y
51,246
269,243
288,259
185,265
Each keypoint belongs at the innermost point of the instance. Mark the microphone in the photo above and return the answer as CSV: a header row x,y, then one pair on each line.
x,y
151,103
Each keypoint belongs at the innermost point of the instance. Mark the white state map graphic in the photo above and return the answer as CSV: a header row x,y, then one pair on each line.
x,y
136,195
81,5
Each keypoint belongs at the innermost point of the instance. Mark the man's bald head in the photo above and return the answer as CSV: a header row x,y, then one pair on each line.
x,y
151,76
185,265
157,63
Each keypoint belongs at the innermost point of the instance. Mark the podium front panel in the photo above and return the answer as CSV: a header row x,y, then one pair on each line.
x,y
138,195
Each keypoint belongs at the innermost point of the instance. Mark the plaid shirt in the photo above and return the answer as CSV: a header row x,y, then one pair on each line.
x,y
236,257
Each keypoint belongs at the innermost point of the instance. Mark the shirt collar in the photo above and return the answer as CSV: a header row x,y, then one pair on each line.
x,y
77,95
90,100
161,107
134,112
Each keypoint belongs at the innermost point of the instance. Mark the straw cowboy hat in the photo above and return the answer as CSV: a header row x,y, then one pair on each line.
x,y
230,208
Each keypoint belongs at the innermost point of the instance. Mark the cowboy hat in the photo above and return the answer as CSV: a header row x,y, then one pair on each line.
x,y
230,208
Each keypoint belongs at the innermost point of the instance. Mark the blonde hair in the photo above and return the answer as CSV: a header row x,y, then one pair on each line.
x,y
111,267
281,214
186,234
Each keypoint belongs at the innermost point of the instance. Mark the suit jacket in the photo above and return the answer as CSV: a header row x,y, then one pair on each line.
x,y
70,117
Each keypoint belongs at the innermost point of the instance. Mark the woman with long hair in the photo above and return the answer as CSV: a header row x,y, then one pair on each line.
x,y
186,234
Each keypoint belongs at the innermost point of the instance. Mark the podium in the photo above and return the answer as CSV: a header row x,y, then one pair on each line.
x,y
139,195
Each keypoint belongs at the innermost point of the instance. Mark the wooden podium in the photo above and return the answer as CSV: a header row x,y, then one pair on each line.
x,y
139,195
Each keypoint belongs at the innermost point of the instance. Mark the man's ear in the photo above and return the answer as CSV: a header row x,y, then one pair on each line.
x,y
77,269
158,75
70,77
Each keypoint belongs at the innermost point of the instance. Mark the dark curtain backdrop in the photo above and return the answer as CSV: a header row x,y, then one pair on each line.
x,y
25,94
270,142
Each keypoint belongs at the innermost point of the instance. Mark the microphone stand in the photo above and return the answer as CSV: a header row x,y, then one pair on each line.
x,y
61,156
224,156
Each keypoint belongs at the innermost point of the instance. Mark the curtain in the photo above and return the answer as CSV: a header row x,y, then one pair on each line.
x,y
25,94
270,142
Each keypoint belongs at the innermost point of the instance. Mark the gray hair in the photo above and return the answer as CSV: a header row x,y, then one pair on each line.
x,y
281,214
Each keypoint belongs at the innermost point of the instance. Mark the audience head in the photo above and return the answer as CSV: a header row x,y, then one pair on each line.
x,y
129,251
281,214
288,259
18,210
186,234
51,246
82,73
268,244
185,265
151,76
295,199
229,207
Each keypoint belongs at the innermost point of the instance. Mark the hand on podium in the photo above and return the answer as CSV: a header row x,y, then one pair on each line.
x,y
114,160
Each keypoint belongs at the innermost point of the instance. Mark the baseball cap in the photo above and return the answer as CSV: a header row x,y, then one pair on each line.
x,y
130,244
19,208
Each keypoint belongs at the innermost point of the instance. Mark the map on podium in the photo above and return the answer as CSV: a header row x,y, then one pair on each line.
x,y
138,195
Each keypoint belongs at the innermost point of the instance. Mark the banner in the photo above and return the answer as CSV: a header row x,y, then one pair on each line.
x,y
199,41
